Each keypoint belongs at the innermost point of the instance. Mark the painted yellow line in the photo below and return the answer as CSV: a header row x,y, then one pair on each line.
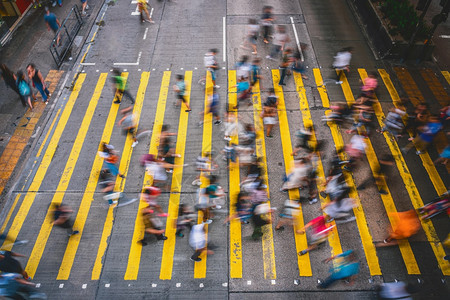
x,y
11,210
446,75
426,160
45,163
304,263
413,192
47,225
134,257
366,238
270,271
120,182
48,133
200,267
88,196
233,189
333,238
174,201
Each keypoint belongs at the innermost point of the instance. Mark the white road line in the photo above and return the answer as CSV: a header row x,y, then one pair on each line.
x,y
87,64
224,39
445,36
145,33
130,64
151,13
296,39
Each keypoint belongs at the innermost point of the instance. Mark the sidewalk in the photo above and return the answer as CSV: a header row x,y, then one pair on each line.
x,y
30,44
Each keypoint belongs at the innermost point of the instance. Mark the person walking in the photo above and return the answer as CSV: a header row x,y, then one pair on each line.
x,y
345,266
24,89
252,36
52,23
38,82
342,62
267,22
212,65
8,264
199,242
152,225
61,218
120,86
279,41
180,90
10,79
84,7
284,64
143,9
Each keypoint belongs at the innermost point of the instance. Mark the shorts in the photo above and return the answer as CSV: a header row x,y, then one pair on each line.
x,y
214,110
181,97
269,121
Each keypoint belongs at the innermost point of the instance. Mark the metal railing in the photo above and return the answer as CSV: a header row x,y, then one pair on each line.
x,y
64,37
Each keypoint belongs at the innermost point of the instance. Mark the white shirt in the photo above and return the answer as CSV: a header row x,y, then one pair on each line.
x,y
342,59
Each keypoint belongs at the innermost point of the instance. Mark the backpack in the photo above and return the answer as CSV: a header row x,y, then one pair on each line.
x,y
24,88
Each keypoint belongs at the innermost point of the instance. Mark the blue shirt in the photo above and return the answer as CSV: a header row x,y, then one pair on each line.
x,y
51,20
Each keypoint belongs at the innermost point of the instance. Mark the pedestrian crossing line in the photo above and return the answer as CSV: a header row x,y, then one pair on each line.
x,y
233,190
436,87
11,210
446,75
28,200
413,192
410,87
120,182
270,271
135,253
388,202
47,225
48,133
200,266
87,199
333,238
428,164
174,201
304,263
366,237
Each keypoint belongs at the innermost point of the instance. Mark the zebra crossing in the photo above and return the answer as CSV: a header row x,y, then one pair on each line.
x,y
91,253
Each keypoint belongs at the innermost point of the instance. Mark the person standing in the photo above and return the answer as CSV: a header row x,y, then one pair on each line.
x,y
342,62
255,73
24,89
52,23
38,82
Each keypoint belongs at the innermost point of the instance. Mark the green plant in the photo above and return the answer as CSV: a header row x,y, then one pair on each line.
x,y
403,18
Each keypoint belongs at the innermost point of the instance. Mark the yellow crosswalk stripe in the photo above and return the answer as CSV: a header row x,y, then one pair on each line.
x,y
270,271
234,178
446,75
200,266
391,210
120,182
426,160
28,200
440,94
174,201
47,225
413,192
88,196
333,238
134,257
304,263
366,238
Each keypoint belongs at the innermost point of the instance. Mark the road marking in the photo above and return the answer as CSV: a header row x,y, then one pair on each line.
x,y
297,40
47,225
131,64
145,34
446,75
444,36
11,210
87,64
233,188
413,192
120,182
389,205
134,256
333,238
48,133
174,200
304,263
200,267
270,271
366,238
436,87
224,42
28,200
86,201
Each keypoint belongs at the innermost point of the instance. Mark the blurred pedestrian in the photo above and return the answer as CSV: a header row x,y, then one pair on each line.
x,y
345,267
61,218
143,9
38,3
269,114
298,65
152,225
284,64
199,242
342,63
129,124
52,23
180,90
317,234
425,136
262,215
84,7
24,89
10,79
120,85
255,73
212,65
186,219
406,225
370,84
57,1
267,19
38,82
149,195
279,41
13,286
9,264
252,36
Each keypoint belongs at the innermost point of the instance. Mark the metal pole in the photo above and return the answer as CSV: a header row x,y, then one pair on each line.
x,y
418,25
